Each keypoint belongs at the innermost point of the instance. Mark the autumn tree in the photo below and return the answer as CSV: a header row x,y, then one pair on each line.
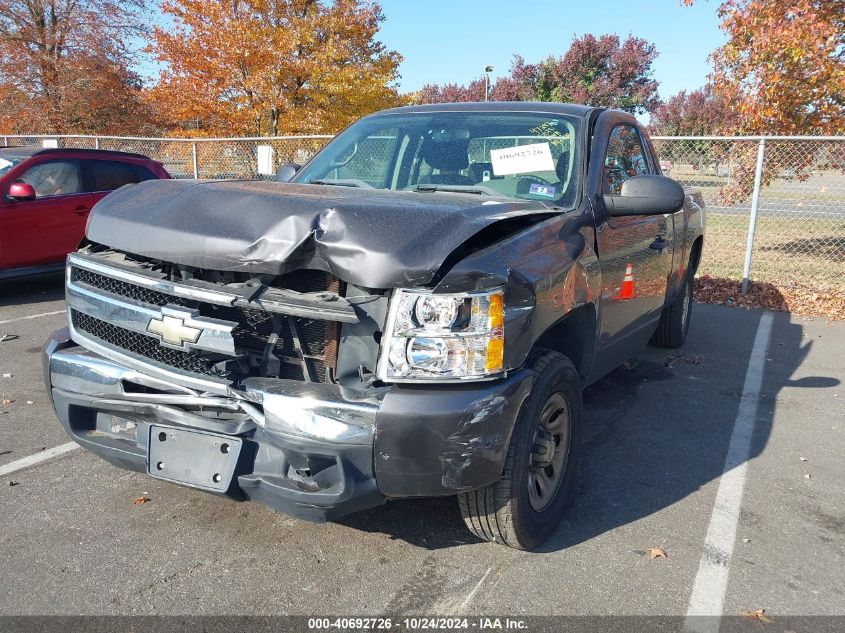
x,y
451,93
782,72
271,66
602,71
519,85
696,113
783,66
65,66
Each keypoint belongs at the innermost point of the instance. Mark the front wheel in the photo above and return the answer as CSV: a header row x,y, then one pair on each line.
x,y
525,506
672,329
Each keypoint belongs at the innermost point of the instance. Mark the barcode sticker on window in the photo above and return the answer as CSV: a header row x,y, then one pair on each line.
x,y
522,159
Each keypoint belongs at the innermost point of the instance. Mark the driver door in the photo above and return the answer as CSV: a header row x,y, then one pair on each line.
x,y
635,252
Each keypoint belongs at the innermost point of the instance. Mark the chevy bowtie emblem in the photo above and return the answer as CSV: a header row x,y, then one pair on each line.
x,y
171,330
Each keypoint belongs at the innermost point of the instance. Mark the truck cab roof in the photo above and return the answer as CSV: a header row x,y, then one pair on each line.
x,y
571,109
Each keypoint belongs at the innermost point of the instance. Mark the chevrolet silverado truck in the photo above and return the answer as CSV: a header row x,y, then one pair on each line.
x,y
413,313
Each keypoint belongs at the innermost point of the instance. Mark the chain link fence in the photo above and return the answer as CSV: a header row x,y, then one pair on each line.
x,y
215,158
776,205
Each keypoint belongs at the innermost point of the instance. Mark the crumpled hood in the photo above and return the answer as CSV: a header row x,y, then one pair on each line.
x,y
371,238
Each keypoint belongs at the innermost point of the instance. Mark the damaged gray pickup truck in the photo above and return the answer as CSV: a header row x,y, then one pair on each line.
x,y
413,314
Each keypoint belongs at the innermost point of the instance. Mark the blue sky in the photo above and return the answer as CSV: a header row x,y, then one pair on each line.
x,y
450,41
446,41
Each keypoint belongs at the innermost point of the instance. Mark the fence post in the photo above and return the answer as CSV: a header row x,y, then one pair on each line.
x,y
196,167
96,142
752,221
5,141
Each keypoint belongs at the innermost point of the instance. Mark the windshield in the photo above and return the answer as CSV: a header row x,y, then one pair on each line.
x,y
530,156
7,163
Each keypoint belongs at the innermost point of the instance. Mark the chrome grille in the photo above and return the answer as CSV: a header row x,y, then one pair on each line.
x,y
318,339
124,289
144,347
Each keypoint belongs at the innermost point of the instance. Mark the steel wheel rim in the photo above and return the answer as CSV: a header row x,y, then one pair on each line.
x,y
549,452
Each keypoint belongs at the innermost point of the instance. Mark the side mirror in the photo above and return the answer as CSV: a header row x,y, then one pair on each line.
x,y
287,171
646,195
21,191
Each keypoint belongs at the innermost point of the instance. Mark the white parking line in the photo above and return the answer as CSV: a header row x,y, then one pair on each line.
x,y
33,316
37,458
708,592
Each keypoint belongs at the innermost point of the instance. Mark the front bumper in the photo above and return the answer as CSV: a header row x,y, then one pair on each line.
x,y
314,451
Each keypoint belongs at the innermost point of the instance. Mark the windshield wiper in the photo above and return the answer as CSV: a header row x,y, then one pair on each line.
x,y
482,191
341,182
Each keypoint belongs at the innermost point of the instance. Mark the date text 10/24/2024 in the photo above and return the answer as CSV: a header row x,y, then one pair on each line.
x,y
417,624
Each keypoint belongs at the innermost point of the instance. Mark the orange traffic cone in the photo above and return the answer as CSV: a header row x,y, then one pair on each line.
x,y
627,289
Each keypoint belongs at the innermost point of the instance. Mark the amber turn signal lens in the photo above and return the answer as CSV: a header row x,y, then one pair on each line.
x,y
495,355
496,314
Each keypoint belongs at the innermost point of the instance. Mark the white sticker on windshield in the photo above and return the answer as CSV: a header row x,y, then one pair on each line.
x,y
522,159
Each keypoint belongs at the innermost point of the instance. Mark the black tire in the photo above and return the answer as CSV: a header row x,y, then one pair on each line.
x,y
504,512
674,322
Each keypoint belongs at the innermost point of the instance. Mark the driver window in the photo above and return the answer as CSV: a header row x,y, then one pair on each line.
x,y
53,178
625,157
369,159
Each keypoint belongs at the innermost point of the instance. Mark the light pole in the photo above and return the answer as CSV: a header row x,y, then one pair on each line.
x,y
487,71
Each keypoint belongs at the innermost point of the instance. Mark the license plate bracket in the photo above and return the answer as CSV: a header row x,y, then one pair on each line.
x,y
192,458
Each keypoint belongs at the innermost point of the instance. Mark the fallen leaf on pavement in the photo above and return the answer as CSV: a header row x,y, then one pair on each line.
x,y
758,616
140,501
14,483
7,401
671,360
804,299
657,552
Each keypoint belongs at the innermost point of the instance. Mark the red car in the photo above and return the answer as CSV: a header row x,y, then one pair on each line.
x,y
45,197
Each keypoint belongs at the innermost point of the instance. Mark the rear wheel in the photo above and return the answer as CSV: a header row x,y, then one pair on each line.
x,y
525,506
674,322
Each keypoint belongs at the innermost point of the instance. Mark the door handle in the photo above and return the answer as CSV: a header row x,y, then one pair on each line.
x,y
81,209
659,244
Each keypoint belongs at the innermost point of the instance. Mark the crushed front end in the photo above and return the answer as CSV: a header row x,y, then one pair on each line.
x,y
262,388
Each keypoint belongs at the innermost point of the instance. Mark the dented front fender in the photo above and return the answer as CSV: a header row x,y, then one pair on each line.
x,y
441,440
548,270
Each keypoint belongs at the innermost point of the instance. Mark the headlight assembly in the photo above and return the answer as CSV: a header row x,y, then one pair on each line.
x,y
443,336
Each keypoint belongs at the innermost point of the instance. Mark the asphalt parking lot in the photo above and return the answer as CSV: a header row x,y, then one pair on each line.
x,y
657,434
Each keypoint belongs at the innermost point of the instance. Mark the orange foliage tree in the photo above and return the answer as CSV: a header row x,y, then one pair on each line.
x,y
781,72
271,66
783,67
64,66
